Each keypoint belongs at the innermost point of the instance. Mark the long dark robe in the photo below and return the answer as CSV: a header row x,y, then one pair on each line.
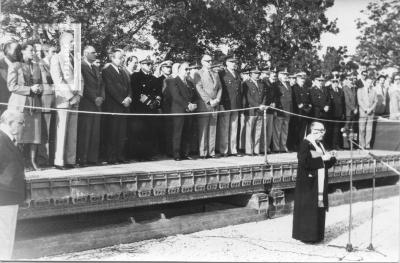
x,y
308,218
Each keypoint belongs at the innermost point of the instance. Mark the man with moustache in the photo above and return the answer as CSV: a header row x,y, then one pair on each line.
x,y
209,91
10,50
92,100
117,99
67,97
231,100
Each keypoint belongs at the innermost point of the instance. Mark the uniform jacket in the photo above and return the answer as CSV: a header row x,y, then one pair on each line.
x,y
286,102
181,94
367,99
254,96
208,87
319,99
116,86
62,73
93,87
166,94
12,177
231,90
350,97
275,95
382,99
301,95
4,92
338,104
149,85
20,81
48,97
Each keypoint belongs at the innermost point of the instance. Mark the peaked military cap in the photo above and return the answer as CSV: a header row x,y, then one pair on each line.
x,y
146,60
166,63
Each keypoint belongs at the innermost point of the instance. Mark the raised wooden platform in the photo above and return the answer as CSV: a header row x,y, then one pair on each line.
x,y
58,192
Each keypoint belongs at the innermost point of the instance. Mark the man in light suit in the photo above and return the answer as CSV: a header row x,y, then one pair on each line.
x,y
281,121
231,100
209,91
367,99
10,56
67,97
12,179
92,99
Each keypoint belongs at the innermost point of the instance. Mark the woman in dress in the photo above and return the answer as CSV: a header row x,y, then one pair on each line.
x,y
25,85
311,195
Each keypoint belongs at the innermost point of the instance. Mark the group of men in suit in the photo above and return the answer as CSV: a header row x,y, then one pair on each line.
x,y
215,93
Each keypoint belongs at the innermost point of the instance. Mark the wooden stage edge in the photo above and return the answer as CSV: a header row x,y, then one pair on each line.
x,y
55,192
172,165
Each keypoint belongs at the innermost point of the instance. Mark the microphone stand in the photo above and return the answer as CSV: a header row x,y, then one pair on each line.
x,y
346,133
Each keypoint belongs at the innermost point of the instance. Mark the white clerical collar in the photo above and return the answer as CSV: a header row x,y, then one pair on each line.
x,y
4,128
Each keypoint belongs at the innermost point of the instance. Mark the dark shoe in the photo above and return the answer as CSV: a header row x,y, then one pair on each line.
x,y
70,166
122,161
212,156
186,157
224,155
93,163
83,165
177,159
60,167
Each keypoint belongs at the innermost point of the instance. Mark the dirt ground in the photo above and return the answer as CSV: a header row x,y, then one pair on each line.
x,y
270,240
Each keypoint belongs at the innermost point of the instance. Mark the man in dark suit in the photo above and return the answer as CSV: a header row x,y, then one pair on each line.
x,y
231,99
337,113
117,99
254,95
273,100
183,101
320,99
92,99
147,98
12,179
281,122
10,56
301,105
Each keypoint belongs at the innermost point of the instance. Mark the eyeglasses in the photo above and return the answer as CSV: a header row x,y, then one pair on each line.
x,y
319,130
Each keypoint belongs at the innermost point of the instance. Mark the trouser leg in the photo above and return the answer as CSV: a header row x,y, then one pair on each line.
x,y
61,128
212,135
258,129
203,123
233,128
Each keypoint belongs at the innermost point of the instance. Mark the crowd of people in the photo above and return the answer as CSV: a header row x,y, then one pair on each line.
x,y
183,110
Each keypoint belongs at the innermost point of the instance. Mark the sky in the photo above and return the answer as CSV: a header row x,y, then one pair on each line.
x,y
346,11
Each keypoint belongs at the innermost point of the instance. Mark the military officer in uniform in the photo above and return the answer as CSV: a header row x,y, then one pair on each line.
x,y
231,100
337,113
301,105
164,129
147,97
273,100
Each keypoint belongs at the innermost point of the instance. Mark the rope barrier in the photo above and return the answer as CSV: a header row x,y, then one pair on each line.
x,y
192,113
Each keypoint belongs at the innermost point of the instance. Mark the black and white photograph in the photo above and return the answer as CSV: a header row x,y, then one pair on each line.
x,y
200,130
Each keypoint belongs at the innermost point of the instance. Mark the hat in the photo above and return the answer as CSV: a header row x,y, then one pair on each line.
x,y
284,71
292,76
335,79
232,58
321,77
301,75
166,63
255,70
381,76
194,65
146,60
274,70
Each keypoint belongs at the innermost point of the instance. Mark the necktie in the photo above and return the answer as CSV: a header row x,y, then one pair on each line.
x,y
14,141
211,76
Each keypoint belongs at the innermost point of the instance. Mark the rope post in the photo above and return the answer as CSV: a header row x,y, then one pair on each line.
x,y
371,247
349,246
265,137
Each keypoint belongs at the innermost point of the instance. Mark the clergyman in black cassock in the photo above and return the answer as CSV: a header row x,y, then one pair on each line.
x,y
311,200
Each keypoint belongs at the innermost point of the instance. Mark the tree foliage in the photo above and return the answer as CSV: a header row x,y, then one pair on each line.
x,y
380,39
255,30
105,23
